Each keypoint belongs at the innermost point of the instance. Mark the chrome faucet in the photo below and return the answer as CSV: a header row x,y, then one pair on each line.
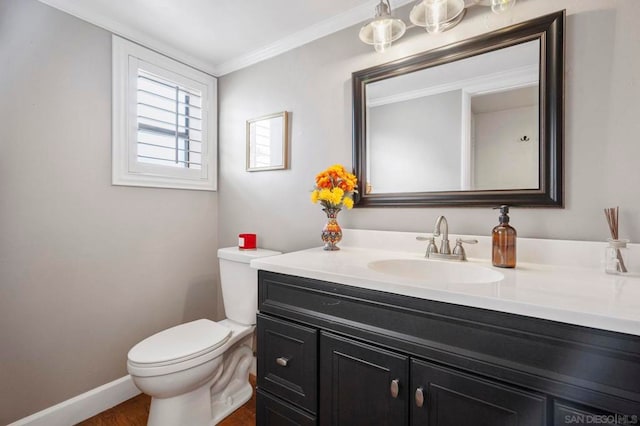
x,y
442,228
444,245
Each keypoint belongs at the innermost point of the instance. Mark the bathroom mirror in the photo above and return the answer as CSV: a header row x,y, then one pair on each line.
x,y
267,141
478,122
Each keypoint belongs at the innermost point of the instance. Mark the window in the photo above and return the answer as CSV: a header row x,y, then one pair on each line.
x,y
164,128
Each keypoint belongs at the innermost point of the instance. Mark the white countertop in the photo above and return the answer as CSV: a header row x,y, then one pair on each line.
x,y
572,294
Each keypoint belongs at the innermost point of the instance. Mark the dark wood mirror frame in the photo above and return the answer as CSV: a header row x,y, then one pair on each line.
x,y
549,30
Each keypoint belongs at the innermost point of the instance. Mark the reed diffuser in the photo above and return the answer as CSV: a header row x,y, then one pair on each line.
x,y
614,262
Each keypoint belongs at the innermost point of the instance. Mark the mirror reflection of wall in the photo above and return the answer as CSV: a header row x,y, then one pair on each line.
x,y
267,142
416,141
456,126
505,143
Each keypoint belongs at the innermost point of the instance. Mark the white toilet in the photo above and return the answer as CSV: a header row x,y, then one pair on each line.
x,y
198,373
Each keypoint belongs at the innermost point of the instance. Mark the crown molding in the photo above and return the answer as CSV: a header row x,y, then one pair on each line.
x,y
324,28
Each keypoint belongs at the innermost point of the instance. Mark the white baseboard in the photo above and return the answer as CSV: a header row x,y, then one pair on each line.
x,y
83,406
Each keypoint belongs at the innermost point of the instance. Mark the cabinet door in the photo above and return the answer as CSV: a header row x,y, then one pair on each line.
x,y
452,398
361,384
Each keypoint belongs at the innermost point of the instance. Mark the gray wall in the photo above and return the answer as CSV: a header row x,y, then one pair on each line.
x,y
602,151
86,269
422,135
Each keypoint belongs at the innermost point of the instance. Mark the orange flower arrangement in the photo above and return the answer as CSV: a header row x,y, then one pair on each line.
x,y
335,188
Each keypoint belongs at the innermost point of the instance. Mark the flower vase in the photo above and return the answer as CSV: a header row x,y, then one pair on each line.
x,y
331,233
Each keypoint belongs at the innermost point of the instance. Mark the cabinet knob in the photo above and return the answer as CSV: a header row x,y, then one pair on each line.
x,y
395,388
419,397
282,361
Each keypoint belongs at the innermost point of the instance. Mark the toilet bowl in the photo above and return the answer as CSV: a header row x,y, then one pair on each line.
x,y
197,373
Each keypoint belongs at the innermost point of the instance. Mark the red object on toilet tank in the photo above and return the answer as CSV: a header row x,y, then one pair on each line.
x,y
247,241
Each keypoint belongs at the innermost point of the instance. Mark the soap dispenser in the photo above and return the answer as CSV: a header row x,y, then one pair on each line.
x,y
504,242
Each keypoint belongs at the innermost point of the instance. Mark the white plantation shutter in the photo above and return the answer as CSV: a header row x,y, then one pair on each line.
x,y
168,120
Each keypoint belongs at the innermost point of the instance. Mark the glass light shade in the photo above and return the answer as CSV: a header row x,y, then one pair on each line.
x,y
383,29
500,6
435,15
381,34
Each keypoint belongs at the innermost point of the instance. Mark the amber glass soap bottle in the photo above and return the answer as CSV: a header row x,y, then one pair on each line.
x,y
504,242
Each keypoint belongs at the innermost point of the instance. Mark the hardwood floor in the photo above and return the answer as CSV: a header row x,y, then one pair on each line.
x,y
135,412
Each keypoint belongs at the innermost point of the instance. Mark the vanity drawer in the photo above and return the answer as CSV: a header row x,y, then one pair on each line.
x,y
287,361
271,411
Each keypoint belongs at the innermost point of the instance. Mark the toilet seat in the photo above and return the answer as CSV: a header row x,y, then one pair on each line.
x,y
176,348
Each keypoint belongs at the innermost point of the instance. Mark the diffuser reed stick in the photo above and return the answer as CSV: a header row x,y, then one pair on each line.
x,y
612,214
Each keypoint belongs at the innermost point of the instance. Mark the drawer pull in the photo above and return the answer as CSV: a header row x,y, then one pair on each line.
x,y
395,388
282,361
419,397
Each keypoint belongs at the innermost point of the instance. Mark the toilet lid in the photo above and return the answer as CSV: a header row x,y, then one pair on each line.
x,y
180,343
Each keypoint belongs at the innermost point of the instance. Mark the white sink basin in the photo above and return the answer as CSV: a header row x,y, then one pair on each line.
x,y
436,271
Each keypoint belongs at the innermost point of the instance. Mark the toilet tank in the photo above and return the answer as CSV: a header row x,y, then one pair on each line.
x,y
239,282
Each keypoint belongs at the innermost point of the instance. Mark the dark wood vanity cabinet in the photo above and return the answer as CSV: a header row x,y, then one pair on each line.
x,y
364,385
452,398
331,354
361,384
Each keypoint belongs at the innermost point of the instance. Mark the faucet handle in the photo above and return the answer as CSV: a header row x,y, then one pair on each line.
x,y
466,241
459,250
431,247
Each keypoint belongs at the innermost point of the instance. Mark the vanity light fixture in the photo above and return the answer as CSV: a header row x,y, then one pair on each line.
x,y
434,15
383,29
